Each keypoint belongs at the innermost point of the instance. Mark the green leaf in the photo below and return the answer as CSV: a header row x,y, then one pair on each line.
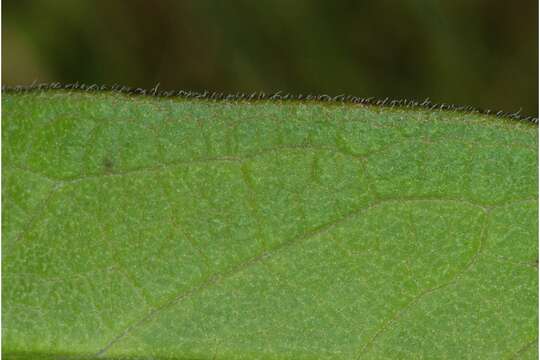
x,y
165,228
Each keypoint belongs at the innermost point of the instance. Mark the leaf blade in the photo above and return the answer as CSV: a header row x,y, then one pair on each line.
x,y
268,230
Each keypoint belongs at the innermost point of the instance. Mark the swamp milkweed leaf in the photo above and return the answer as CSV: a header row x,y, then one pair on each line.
x,y
163,228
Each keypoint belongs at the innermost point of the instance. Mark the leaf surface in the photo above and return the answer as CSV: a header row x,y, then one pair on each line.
x,y
137,227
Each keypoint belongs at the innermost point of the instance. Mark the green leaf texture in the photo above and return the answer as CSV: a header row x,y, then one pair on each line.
x,y
157,228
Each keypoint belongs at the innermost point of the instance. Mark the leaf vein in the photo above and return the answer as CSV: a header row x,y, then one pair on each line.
x,y
218,278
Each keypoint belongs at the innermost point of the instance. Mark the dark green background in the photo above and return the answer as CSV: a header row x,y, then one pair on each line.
x,y
469,52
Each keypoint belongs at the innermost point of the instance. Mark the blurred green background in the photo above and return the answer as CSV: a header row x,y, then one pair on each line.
x,y
468,52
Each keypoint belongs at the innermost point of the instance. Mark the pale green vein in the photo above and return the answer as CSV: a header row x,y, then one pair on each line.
x,y
386,325
218,278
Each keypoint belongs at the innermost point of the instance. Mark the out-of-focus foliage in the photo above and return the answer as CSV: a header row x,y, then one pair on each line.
x,y
474,52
